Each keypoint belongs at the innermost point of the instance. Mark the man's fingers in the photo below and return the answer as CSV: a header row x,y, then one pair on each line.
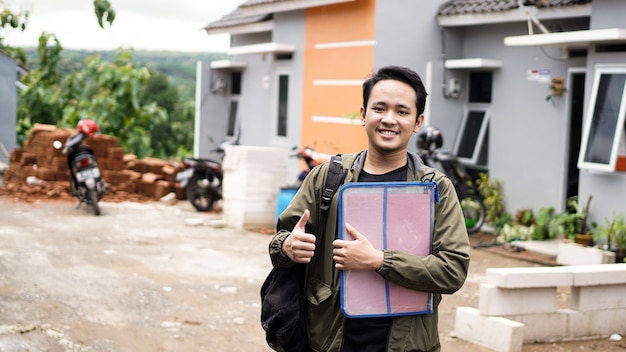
x,y
353,232
302,222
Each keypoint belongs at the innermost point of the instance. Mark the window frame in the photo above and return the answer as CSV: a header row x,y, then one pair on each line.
x,y
232,118
589,116
277,104
473,160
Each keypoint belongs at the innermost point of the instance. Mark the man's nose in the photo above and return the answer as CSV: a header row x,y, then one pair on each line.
x,y
388,117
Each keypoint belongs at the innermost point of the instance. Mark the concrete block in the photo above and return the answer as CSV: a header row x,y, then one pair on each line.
x,y
596,324
253,177
494,300
547,327
589,298
575,254
602,274
249,213
496,333
529,277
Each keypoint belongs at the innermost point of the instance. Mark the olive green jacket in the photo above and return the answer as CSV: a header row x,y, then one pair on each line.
x,y
442,272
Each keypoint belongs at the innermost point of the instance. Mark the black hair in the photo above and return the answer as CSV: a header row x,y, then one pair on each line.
x,y
397,73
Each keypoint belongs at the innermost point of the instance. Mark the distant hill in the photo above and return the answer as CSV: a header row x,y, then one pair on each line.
x,y
180,67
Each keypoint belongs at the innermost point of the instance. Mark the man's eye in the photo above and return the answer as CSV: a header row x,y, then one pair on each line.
x,y
377,109
403,113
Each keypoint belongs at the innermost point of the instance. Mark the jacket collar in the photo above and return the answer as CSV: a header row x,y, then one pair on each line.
x,y
413,160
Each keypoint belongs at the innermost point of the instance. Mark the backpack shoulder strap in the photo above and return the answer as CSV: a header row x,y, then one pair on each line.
x,y
334,178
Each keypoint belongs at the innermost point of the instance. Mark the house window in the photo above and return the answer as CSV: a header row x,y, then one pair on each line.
x,y
480,86
283,104
232,118
603,137
235,83
235,91
472,143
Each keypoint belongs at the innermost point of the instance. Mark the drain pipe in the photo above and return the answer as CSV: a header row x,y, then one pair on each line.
x,y
443,65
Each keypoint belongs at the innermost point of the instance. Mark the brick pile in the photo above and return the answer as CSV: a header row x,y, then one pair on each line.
x,y
38,170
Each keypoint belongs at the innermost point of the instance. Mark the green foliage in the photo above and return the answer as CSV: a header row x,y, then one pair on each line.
x,y
42,102
504,219
103,11
18,21
542,223
613,233
571,222
49,52
111,93
516,232
12,19
491,192
524,217
128,100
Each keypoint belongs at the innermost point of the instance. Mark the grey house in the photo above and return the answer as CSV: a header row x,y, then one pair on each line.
x,y
532,92
8,106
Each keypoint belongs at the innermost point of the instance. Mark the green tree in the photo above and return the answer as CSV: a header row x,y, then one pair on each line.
x,y
104,12
174,136
111,94
43,101
15,20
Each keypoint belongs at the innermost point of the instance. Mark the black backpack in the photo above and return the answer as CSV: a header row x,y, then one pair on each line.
x,y
282,294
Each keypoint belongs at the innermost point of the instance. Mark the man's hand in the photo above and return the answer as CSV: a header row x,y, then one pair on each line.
x,y
358,254
299,246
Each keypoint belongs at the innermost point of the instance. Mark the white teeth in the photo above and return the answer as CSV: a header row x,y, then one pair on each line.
x,y
388,133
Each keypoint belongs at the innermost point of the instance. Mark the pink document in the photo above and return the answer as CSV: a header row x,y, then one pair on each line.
x,y
392,215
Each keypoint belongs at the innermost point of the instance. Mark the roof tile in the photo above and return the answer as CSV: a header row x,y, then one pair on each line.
x,y
458,7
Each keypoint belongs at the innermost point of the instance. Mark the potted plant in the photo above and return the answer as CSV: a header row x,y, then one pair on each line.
x,y
572,224
613,234
542,221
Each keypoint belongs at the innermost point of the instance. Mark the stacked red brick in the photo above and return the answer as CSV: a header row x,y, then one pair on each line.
x,y
128,176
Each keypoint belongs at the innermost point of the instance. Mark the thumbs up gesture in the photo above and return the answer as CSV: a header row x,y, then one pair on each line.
x,y
299,246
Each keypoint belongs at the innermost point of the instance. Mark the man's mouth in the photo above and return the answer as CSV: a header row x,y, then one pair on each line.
x,y
387,133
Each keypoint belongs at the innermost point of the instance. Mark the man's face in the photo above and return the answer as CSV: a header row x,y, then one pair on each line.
x,y
390,117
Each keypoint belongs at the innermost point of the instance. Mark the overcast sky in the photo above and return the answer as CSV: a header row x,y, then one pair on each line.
x,y
173,25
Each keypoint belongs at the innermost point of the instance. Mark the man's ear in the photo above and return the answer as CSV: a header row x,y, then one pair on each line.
x,y
362,112
418,123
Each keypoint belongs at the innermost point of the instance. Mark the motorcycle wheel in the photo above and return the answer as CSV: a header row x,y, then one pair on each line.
x,y
200,198
474,213
93,199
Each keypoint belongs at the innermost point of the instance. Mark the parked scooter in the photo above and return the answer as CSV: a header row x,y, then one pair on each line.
x,y
86,183
310,158
201,179
429,143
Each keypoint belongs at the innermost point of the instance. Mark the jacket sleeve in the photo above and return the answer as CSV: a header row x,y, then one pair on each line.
x,y
306,198
445,270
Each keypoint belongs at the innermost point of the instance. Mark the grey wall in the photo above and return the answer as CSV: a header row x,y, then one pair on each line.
x,y
528,135
412,38
8,104
257,110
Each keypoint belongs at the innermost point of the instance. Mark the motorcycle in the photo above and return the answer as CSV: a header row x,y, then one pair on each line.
x,y
201,180
429,142
86,182
310,158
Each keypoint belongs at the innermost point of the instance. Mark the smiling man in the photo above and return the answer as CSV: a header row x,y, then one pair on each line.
x,y
394,99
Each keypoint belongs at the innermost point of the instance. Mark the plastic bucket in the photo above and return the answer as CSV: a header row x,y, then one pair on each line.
x,y
284,197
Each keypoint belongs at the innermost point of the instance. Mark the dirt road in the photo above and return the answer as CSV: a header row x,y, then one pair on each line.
x,y
154,277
